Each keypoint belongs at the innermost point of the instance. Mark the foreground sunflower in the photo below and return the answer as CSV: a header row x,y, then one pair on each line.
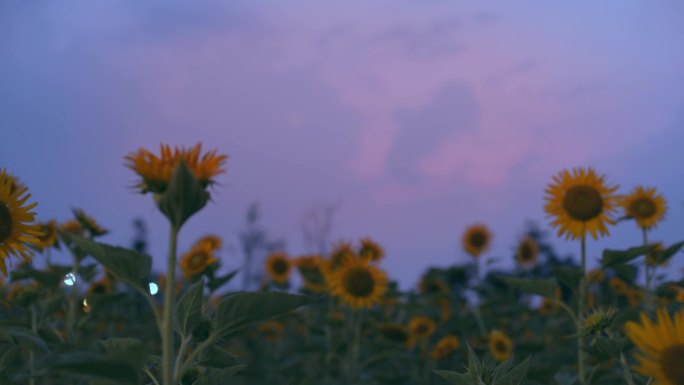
x,y
645,206
476,240
16,217
156,171
500,346
197,260
661,346
278,268
527,252
371,250
358,284
581,202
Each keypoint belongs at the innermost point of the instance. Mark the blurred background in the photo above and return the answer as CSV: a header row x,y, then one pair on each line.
x,y
405,121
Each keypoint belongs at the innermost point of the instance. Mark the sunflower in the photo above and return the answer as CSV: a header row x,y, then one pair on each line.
x,y
89,224
272,330
644,205
421,328
652,256
341,252
213,241
358,284
476,240
547,307
72,226
634,296
156,171
371,250
102,286
596,276
527,252
278,268
312,271
580,202
48,235
618,286
16,230
445,347
197,260
500,346
661,346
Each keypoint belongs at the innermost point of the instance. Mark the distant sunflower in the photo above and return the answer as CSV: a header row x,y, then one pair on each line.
x,y
596,276
580,202
618,286
527,252
213,241
547,307
371,250
431,285
89,224
272,331
661,346
156,171
341,252
645,206
72,226
197,260
278,268
476,240
652,257
445,347
312,271
358,284
16,217
421,328
634,296
500,346
48,235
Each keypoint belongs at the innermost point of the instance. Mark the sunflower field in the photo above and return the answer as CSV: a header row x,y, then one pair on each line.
x,y
338,318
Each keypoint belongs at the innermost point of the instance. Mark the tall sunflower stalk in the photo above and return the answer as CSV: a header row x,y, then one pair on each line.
x,y
477,240
178,179
580,203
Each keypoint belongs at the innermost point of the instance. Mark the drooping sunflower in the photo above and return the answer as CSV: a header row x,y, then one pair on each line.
x,y
89,224
311,268
48,235
500,346
645,206
445,347
581,202
278,268
358,284
371,250
16,216
661,346
476,240
421,328
196,261
156,171
527,252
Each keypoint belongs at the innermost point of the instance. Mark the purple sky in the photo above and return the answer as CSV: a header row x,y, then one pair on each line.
x,y
418,117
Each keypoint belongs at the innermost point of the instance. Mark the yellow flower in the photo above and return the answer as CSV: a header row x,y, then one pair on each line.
x,y
445,347
278,268
312,271
212,241
196,261
371,250
634,296
421,328
652,257
341,252
527,252
596,276
272,330
72,226
48,235
644,205
618,286
500,346
89,224
476,240
580,202
661,346
156,171
358,284
16,230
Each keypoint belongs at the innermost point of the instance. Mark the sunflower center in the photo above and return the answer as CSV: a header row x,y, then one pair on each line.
x,y
478,240
359,282
421,329
279,267
643,208
5,222
671,362
500,347
583,203
525,252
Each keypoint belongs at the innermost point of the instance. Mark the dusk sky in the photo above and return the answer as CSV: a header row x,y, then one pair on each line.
x,y
418,117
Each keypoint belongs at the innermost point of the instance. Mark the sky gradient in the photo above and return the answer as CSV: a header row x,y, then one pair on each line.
x,y
417,117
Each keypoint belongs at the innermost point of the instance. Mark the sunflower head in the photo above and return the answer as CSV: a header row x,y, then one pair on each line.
x,y
580,202
272,331
358,284
212,241
476,240
618,286
598,320
197,260
445,347
48,235
660,345
527,252
547,307
645,206
311,268
596,276
421,328
500,346
89,224
341,252
156,170
278,268
652,256
17,230
371,250
635,296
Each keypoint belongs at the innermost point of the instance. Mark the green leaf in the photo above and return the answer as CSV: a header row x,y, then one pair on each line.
x,y
183,197
189,310
219,376
666,254
28,339
516,375
568,275
239,310
456,378
608,346
121,345
545,287
98,365
216,283
215,357
129,266
475,367
618,257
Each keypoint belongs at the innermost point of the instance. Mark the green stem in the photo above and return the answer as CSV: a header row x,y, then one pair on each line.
x,y
34,329
580,311
169,294
151,376
476,309
73,299
649,274
194,353
179,358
